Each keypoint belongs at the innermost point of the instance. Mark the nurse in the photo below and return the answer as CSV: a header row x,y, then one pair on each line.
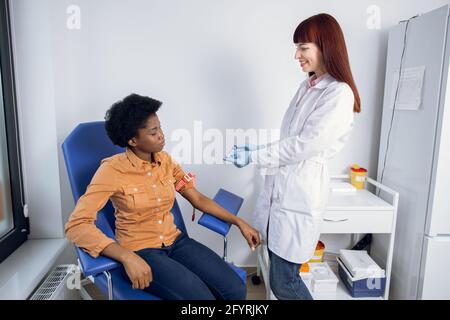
x,y
315,127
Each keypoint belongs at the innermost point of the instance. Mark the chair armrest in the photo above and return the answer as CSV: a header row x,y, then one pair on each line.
x,y
92,266
230,202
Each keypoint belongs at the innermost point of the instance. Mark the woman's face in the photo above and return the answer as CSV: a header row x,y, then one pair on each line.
x,y
150,138
310,58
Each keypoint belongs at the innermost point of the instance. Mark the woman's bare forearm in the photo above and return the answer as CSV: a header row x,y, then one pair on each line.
x,y
116,252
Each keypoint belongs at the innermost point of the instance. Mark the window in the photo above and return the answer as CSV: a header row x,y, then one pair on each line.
x,y
14,227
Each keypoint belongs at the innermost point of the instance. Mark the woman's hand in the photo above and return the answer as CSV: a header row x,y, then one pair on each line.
x,y
138,271
250,234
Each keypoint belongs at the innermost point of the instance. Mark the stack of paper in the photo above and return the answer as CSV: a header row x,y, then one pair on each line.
x,y
360,264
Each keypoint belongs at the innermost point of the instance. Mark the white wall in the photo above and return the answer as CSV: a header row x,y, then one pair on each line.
x,y
228,64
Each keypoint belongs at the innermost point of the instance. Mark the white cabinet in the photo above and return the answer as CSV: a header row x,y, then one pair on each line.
x,y
358,212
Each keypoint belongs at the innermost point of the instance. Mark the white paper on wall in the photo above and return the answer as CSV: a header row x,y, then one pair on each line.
x,y
409,96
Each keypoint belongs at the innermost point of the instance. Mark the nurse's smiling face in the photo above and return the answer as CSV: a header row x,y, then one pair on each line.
x,y
310,58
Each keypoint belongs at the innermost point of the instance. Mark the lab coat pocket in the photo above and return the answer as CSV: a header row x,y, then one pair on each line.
x,y
301,192
138,196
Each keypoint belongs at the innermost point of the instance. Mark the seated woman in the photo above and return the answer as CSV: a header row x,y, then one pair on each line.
x,y
140,182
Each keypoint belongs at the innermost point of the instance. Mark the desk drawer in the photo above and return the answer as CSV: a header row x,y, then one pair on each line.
x,y
357,222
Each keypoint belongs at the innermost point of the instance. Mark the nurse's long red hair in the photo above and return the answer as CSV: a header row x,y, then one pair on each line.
x,y
325,32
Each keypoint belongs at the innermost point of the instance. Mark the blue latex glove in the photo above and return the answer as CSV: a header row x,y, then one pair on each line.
x,y
240,156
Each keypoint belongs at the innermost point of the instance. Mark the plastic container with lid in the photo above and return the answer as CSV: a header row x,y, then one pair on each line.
x,y
323,278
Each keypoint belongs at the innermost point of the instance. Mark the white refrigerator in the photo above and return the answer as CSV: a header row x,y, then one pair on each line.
x,y
414,154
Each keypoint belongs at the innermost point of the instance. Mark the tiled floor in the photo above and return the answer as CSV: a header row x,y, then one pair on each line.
x,y
254,292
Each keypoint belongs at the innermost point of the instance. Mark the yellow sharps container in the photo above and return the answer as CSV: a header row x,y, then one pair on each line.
x,y
358,176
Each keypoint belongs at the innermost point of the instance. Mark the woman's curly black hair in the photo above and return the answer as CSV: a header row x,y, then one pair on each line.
x,y
125,117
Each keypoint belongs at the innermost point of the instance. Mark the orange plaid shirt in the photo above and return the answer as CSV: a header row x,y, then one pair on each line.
x,y
142,192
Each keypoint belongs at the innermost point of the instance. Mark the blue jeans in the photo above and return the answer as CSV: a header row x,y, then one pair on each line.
x,y
285,281
188,270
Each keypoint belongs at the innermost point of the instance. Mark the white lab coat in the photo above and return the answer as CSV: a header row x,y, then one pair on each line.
x,y
315,127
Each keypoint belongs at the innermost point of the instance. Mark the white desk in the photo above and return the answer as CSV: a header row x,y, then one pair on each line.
x,y
350,213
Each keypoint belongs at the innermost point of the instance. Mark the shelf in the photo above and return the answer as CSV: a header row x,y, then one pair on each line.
x,y
355,212
341,291
357,200
340,294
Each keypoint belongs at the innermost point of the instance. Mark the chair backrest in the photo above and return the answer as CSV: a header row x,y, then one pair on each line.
x,y
83,151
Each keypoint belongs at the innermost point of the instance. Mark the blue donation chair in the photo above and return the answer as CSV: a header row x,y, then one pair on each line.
x,y
83,151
